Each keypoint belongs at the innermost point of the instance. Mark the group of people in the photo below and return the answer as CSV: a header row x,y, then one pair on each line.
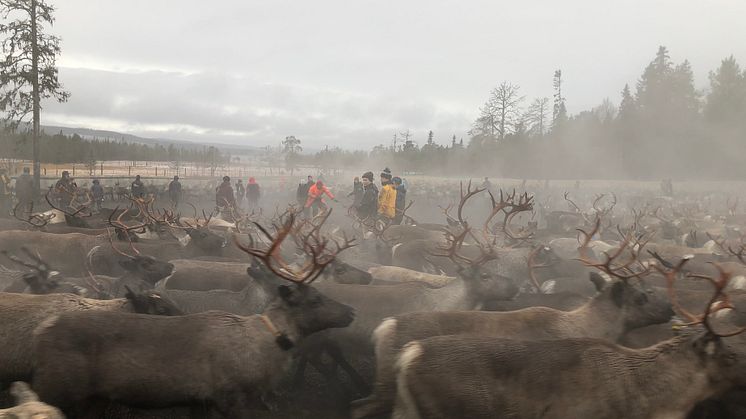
x,y
369,203
225,196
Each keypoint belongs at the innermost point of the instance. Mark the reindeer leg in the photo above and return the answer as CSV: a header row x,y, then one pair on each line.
x,y
335,352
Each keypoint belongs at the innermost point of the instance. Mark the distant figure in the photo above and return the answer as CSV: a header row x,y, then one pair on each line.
x,y
97,193
302,194
315,202
253,193
240,193
368,206
63,190
224,193
387,196
487,185
25,190
5,198
137,189
401,196
174,192
357,192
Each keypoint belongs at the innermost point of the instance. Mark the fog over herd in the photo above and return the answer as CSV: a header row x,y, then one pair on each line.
x,y
236,252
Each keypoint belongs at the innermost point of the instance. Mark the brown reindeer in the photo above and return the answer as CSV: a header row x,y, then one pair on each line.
x,y
486,377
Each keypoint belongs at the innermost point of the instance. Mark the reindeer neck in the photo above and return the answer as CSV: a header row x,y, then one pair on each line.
x,y
669,378
457,295
599,318
278,314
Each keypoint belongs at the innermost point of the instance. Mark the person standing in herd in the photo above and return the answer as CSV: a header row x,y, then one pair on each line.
x,y
387,197
253,193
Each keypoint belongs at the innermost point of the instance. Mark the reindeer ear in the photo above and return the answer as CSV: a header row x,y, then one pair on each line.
x,y
597,280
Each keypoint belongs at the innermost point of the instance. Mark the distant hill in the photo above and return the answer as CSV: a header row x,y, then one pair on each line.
x,y
90,134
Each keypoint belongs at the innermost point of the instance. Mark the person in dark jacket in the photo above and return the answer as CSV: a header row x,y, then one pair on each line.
x,y
97,193
174,192
224,193
137,189
25,190
401,196
240,192
302,194
63,190
357,192
369,202
253,193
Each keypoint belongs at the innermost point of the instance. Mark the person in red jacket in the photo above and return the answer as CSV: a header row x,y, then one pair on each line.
x,y
315,202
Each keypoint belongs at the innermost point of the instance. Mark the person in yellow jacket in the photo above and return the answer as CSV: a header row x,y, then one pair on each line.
x,y
387,196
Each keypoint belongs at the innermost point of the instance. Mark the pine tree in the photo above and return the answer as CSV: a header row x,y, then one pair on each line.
x,y
28,72
726,102
559,111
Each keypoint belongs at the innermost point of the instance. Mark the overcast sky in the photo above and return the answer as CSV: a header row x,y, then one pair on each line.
x,y
350,73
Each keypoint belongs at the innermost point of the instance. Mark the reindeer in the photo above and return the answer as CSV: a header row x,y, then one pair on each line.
x,y
196,361
571,378
619,306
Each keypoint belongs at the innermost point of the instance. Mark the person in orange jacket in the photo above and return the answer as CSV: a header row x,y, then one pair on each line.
x,y
387,196
315,202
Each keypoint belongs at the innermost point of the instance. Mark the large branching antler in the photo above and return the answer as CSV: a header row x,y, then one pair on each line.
x,y
614,263
719,300
531,262
36,220
465,197
118,224
456,241
71,214
317,248
510,208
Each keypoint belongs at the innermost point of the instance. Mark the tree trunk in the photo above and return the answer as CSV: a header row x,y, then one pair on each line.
x,y
35,102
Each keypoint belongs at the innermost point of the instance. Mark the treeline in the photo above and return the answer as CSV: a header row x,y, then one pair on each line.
x,y
662,127
60,149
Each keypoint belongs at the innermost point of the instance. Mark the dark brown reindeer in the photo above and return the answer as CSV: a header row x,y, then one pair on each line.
x,y
620,305
214,358
571,378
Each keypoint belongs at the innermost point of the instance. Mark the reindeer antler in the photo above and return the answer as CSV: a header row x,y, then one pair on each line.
x,y
320,253
622,270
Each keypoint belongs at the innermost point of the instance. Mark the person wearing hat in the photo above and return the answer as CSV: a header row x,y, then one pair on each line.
x,y
401,196
174,192
64,189
25,190
224,194
137,189
369,202
315,202
253,193
97,193
357,192
387,196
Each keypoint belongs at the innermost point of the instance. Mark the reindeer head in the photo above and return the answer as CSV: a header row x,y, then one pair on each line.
x,y
638,304
482,283
147,268
153,303
309,309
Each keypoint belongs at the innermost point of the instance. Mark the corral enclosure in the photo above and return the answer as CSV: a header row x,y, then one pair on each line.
x,y
372,210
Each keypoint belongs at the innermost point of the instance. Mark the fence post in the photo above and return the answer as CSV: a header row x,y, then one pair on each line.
x,y
156,171
129,170
102,168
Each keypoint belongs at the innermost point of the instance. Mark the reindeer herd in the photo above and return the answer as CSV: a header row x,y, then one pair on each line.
x,y
520,304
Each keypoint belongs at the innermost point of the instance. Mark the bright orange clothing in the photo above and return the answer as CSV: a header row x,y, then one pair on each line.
x,y
315,193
